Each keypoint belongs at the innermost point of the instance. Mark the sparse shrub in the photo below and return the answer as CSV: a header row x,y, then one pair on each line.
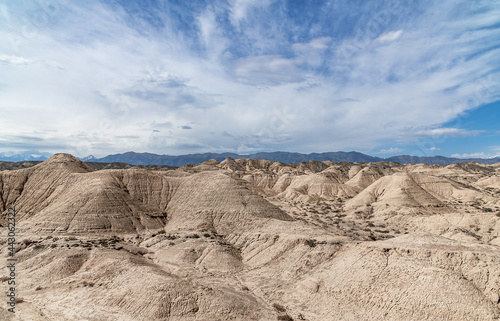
x,y
279,307
27,242
4,278
285,317
90,284
38,288
497,214
206,234
311,242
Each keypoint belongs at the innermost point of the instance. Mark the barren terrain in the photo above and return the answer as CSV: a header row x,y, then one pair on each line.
x,y
253,240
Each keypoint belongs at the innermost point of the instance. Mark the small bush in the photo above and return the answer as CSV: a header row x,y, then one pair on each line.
x,y
285,317
90,284
27,242
311,242
279,307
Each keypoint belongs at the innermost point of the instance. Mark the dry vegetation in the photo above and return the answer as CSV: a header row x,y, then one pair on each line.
x,y
254,240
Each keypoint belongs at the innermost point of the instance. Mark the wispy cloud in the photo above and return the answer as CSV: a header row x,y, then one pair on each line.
x,y
389,36
392,150
87,75
14,60
471,155
444,132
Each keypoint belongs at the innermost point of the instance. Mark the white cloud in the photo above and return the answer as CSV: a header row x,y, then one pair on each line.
x,y
390,36
267,84
471,155
240,8
14,60
444,132
433,149
312,52
267,70
392,150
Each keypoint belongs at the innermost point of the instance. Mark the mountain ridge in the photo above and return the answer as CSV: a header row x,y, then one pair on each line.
x,y
134,158
284,157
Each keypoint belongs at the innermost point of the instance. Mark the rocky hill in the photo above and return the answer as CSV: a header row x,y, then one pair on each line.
x,y
254,239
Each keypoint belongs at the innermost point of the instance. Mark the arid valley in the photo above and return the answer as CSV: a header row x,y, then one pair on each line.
x,y
253,240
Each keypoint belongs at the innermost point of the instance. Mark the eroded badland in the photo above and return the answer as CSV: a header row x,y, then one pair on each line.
x,y
253,240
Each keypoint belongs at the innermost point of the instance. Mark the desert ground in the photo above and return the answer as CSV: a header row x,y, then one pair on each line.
x,y
252,240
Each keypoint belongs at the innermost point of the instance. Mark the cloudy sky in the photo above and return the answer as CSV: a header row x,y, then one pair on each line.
x,y
177,77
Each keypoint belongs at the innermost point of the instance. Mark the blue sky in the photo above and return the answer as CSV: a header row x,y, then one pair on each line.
x,y
176,77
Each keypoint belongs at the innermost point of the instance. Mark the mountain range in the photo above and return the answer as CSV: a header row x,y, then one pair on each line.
x,y
134,158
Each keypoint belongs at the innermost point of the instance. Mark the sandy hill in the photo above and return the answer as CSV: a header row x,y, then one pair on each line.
x,y
246,239
64,195
411,190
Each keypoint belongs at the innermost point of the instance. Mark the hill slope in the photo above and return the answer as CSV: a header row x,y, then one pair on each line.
x,y
248,239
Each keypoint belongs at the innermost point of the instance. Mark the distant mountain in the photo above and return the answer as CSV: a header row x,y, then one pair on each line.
x,y
148,158
284,157
440,160
89,158
25,156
